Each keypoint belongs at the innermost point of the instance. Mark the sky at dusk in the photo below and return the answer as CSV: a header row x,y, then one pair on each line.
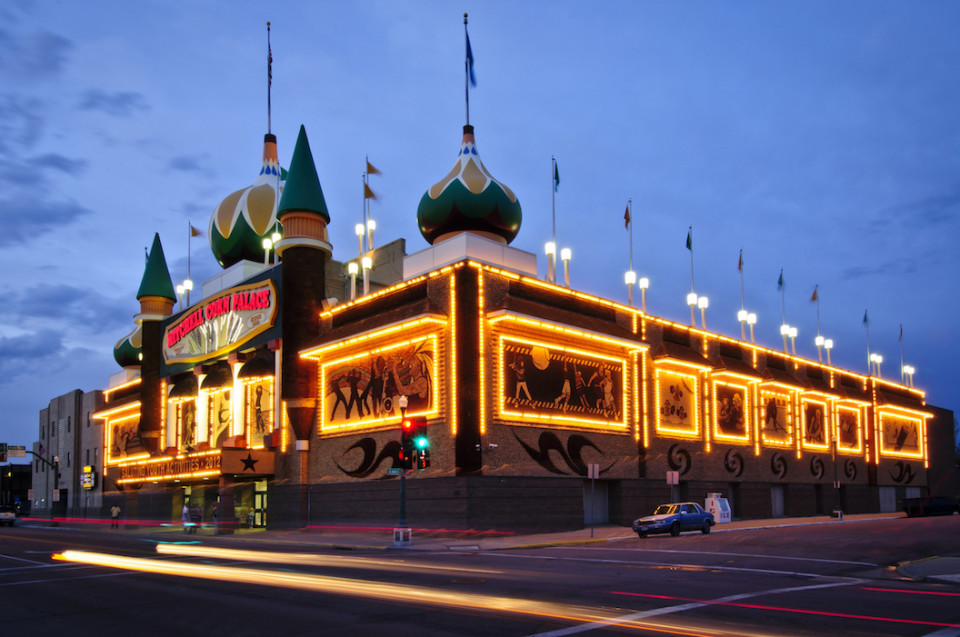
x,y
819,137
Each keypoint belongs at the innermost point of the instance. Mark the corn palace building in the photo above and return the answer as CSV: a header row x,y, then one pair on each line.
x,y
269,403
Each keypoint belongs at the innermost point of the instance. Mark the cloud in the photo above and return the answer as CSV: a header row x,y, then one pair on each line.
x,y
23,220
33,57
893,267
188,163
927,213
118,104
21,122
81,307
30,353
55,161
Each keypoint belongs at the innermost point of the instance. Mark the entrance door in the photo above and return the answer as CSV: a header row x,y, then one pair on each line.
x,y
888,499
776,500
596,508
260,503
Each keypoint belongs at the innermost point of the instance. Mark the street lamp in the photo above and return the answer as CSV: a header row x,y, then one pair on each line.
x,y
909,371
818,341
180,291
353,269
793,339
551,249
877,359
565,255
644,283
367,264
692,302
359,230
785,332
742,317
630,278
187,286
703,303
267,244
751,321
371,226
828,345
275,238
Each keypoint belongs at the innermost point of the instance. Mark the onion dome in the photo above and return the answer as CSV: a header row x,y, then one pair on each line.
x,y
127,350
469,199
246,217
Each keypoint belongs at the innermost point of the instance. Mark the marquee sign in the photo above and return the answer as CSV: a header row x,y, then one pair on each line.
x,y
221,323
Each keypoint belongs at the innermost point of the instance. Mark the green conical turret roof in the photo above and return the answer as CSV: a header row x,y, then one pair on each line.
x,y
156,277
302,190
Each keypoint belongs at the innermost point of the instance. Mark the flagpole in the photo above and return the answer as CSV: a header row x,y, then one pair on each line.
x,y
189,236
466,69
901,353
269,75
743,310
690,242
552,254
866,324
632,273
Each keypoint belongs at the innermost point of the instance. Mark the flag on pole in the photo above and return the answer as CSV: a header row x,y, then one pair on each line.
x,y
626,217
690,239
780,280
901,333
367,193
473,78
866,320
556,177
371,169
815,297
740,262
195,232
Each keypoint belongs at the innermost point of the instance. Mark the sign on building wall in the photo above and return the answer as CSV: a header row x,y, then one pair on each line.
x,y
676,403
364,388
220,323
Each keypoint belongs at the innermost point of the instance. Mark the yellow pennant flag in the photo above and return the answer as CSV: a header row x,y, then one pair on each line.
x,y
367,193
194,232
371,169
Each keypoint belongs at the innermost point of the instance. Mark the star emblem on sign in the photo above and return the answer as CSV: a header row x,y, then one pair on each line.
x,y
249,463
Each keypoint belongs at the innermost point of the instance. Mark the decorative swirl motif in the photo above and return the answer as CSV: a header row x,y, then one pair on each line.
x,y
904,474
816,468
369,464
778,465
733,462
850,469
572,455
679,459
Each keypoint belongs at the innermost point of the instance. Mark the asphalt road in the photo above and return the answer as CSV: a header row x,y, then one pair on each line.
x,y
812,580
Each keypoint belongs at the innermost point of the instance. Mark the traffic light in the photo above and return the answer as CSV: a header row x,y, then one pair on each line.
x,y
406,444
421,443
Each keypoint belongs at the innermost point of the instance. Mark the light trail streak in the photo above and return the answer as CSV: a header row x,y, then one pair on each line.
x,y
381,591
901,590
799,611
312,559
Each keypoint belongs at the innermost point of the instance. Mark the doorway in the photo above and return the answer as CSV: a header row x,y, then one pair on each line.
x,y
596,502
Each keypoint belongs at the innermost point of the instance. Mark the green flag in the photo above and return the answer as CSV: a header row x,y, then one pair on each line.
x,y
690,239
780,280
866,321
556,177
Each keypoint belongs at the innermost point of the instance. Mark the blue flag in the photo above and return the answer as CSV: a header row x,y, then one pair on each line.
x,y
473,79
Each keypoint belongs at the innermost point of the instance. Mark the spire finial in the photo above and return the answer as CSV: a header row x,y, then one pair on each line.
x,y
269,75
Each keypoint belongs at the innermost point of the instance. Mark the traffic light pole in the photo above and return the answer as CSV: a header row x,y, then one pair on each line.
x,y
403,473
55,465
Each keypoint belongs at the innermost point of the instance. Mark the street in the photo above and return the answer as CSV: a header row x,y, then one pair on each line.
x,y
803,580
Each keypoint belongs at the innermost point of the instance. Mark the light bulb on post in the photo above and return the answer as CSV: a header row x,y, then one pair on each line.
x,y
818,341
703,303
793,339
785,332
267,244
644,283
371,226
367,264
828,345
751,321
352,270
630,278
565,256
742,317
360,232
550,248
692,302
275,238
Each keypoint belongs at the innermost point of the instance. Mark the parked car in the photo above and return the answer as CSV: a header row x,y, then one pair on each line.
x,y
674,519
7,515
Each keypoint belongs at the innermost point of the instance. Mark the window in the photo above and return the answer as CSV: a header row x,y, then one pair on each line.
x,y
68,424
88,457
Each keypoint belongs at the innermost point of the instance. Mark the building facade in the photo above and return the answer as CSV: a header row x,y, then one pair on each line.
x,y
269,403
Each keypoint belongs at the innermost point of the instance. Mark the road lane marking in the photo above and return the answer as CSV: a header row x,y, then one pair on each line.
x,y
667,610
774,557
738,569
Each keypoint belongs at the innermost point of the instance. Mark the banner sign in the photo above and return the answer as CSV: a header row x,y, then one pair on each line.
x,y
221,323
